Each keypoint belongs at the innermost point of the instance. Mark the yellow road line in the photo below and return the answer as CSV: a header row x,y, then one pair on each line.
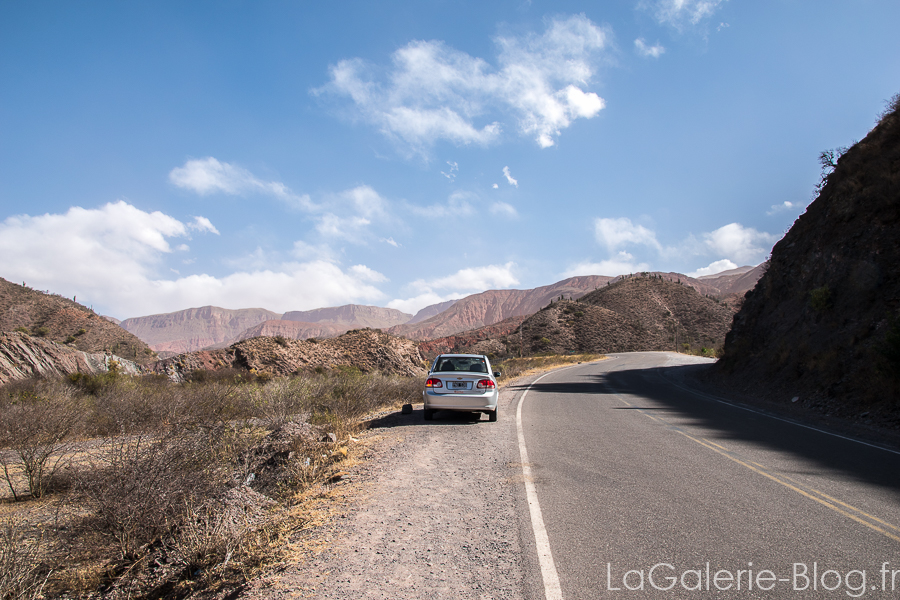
x,y
803,492
762,471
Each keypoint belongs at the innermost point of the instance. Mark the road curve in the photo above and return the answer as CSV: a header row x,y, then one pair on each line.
x,y
629,469
648,489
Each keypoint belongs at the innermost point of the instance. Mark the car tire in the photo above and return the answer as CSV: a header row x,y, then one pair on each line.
x,y
428,414
492,416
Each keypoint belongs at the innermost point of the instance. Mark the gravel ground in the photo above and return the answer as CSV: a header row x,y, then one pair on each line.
x,y
434,509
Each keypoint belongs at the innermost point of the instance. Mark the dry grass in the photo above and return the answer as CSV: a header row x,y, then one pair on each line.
x,y
166,489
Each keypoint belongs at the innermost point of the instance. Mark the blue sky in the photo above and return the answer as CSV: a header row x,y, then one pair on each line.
x,y
293,155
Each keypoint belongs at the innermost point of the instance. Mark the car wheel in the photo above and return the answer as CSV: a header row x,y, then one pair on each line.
x,y
492,416
428,414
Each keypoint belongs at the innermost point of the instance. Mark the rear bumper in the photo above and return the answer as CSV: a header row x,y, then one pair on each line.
x,y
484,402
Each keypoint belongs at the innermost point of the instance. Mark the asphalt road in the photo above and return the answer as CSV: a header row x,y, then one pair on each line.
x,y
634,471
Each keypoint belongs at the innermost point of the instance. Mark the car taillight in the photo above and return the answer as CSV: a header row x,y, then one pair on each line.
x,y
485,384
433,383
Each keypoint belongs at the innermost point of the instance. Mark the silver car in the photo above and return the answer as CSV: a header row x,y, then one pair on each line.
x,y
462,382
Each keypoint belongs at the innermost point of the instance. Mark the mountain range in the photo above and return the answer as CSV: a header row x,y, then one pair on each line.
x,y
212,327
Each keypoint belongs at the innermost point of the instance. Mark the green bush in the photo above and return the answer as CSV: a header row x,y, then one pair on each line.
x,y
820,299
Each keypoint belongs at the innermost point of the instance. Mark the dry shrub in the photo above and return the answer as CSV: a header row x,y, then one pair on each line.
x,y
130,406
215,402
36,420
192,485
22,575
139,488
285,399
221,534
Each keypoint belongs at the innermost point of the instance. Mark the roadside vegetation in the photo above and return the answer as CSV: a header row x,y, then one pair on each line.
x,y
142,488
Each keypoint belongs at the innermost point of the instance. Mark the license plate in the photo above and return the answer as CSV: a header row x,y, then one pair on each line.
x,y
458,385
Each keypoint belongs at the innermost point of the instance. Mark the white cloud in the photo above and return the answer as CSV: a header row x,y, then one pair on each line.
x,y
454,169
614,233
622,264
457,205
475,278
345,215
113,257
644,50
304,251
777,208
203,224
743,245
391,241
433,92
351,212
208,176
504,210
713,268
495,186
681,13
462,283
509,178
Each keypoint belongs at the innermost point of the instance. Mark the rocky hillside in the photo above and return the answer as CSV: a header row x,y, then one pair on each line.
x,y
824,321
494,306
195,328
642,312
366,349
351,315
23,356
57,319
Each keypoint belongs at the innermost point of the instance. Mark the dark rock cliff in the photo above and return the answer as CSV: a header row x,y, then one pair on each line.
x,y
822,322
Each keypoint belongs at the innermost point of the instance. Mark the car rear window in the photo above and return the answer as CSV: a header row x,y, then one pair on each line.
x,y
457,363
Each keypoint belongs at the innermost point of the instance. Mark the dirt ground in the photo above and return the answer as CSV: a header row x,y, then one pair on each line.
x,y
432,510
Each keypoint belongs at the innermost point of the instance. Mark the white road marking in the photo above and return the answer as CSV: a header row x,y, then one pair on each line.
x,y
552,590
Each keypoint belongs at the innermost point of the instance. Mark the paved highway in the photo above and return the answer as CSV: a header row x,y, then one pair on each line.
x,y
647,489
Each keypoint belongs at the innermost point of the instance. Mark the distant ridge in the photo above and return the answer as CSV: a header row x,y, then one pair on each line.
x,y
494,306
195,328
351,315
214,327
430,311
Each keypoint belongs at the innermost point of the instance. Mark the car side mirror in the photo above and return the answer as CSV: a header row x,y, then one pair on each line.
x,y
496,373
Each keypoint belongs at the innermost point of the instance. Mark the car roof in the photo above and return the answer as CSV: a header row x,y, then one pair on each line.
x,y
464,355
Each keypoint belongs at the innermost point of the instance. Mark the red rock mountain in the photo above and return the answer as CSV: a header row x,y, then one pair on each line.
x,y
195,328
